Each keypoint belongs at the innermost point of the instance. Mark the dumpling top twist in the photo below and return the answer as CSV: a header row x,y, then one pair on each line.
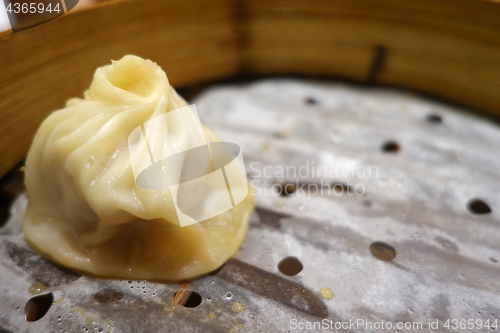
x,y
85,209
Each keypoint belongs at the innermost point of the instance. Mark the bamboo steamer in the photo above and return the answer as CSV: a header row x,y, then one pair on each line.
x,y
449,49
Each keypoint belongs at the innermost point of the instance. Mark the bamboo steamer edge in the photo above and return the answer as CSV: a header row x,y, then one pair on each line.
x,y
449,49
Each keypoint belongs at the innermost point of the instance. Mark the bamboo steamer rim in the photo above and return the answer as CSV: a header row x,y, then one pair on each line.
x,y
448,49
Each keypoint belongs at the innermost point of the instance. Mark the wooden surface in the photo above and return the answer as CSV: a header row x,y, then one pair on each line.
x,y
450,49
447,48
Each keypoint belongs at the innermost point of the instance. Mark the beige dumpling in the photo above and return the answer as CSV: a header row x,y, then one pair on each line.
x,y
85,209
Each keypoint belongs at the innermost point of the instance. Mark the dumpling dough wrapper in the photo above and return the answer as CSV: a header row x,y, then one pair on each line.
x,y
86,211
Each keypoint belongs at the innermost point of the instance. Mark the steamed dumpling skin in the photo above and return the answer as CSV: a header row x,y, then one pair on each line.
x,y
85,210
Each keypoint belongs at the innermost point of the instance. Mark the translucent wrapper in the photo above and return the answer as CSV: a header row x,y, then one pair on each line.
x,y
87,212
